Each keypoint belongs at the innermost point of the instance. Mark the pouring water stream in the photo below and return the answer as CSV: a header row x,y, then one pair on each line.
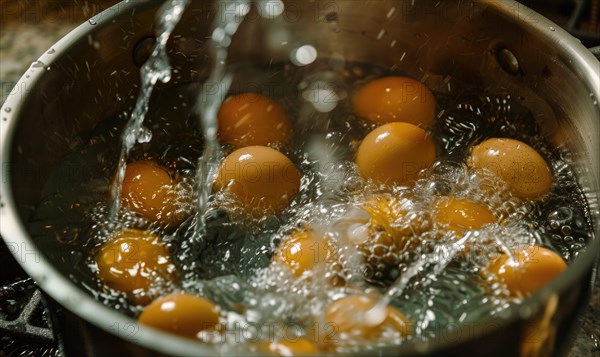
x,y
210,99
156,68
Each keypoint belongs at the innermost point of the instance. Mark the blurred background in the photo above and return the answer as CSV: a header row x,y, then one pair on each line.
x,y
30,27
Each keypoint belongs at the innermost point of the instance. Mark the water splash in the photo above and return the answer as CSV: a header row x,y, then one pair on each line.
x,y
438,260
230,14
156,68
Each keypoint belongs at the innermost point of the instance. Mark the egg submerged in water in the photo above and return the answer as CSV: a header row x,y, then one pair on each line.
x,y
395,153
149,190
181,314
302,251
250,119
528,270
460,215
296,346
262,180
357,318
133,261
525,171
395,99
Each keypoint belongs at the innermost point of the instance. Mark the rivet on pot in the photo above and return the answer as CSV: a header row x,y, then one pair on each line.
x,y
143,50
332,17
508,61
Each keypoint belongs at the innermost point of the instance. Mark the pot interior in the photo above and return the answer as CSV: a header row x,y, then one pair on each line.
x,y
451,46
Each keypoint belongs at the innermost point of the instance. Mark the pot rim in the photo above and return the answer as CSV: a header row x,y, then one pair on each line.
x,y
75,299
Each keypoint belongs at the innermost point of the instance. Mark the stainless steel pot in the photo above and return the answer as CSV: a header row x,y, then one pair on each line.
x,y
497,46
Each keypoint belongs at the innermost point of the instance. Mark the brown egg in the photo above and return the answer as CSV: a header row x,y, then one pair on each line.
x,y
133,261
249,119
354,318
302,251
460,215
395,153
518,164
299,346
390,223
149,190
395,99
181,314
390,230
262,179
531,269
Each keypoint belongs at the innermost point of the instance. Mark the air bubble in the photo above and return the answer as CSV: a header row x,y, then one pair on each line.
x,y
562,215
566,230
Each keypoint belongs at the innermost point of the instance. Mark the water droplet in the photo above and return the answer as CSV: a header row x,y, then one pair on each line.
x,y
303,55
144,135
92,21
391,12
552,28
8,109
218,35
51,51
37,64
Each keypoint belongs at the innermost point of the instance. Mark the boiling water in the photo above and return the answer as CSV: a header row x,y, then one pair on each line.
x,y
232,264
224,255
